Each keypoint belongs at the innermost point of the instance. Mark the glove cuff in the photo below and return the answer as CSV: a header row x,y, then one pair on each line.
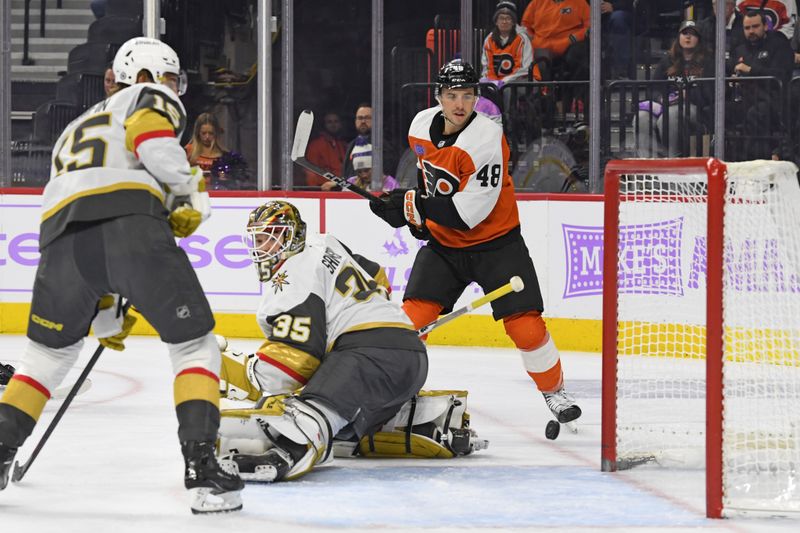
x,y
411,208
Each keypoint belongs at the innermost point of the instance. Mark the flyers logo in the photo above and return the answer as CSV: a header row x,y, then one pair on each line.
x,y
503,64
438,181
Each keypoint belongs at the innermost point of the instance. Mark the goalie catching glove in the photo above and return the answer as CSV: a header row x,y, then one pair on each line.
x,y
110,325
188,204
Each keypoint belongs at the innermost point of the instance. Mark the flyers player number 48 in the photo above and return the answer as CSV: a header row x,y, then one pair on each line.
x,y
464,202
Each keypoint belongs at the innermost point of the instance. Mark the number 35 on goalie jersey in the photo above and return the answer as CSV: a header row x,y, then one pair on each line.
x,y
316,297
469,171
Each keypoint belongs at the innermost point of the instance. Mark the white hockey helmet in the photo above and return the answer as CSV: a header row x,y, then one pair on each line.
x,y
152,55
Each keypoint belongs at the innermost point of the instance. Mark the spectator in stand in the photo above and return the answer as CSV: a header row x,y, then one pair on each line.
x,y
796,48
109,82
222,169
733,32
364,134
688,58
326,150
98,8
558,30
764,53
362,163
781,15
617,24
507,53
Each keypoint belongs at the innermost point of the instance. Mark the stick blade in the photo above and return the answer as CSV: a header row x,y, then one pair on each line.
x,y
18,472
302,133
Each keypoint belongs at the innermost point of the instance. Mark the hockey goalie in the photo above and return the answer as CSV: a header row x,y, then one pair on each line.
x,y
341,369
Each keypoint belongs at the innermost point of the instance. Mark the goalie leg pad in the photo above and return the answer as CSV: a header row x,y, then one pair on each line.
x,y
237,380
299,433
432,424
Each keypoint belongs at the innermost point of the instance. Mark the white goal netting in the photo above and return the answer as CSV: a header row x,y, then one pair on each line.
x,y
661,331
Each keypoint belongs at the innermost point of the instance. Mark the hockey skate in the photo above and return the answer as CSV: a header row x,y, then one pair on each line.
x,y
215,486
271,466
562,405
6,462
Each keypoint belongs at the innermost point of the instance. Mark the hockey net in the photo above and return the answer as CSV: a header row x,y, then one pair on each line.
x,y
707,262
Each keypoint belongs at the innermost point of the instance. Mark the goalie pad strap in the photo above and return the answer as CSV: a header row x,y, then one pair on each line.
x,y
329,446
410,424
399,445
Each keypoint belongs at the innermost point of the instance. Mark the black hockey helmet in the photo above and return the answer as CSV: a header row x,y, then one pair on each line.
x,y
457,74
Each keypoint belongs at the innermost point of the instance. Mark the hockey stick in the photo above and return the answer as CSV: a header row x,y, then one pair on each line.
x,y
301,135
515,284
20,470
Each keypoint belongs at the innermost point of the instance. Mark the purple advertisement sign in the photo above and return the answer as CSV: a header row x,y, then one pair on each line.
x,y
649,259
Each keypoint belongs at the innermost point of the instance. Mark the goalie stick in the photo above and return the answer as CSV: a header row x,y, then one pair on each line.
x,y
21,470
515,284
302,133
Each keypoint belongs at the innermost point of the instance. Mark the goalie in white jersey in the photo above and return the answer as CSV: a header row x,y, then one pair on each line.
x,y
107,232
331,330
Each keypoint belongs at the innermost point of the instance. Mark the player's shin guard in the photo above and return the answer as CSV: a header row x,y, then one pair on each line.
x,y
300,436
542,362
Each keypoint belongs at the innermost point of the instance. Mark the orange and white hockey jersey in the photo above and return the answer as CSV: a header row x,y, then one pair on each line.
x,y
113,159
555,24
507,61
470,192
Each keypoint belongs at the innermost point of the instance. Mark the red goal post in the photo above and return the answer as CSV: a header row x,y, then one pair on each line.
x,y
701,325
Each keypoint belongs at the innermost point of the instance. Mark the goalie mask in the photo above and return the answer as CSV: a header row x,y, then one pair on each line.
x,y
153,56
275,232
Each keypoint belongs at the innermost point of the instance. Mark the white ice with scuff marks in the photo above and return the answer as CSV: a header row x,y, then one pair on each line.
x,y
114,464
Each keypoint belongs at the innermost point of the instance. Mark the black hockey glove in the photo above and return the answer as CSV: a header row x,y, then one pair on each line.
x,y
420,233
6,371
390,208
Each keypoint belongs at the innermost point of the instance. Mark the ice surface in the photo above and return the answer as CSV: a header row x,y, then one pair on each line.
x,y
114,465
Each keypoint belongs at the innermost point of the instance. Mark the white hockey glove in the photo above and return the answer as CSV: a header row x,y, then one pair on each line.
x,y
110,326
188,204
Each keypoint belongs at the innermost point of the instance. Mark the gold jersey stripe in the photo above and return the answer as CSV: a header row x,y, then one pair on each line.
x,y
25,397
294,362
196,386
142,122
122,186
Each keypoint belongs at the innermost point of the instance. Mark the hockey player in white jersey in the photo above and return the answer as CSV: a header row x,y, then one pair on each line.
x,y
332,331
120,189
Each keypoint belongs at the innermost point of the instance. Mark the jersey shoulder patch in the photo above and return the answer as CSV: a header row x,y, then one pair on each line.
x,y
157,98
